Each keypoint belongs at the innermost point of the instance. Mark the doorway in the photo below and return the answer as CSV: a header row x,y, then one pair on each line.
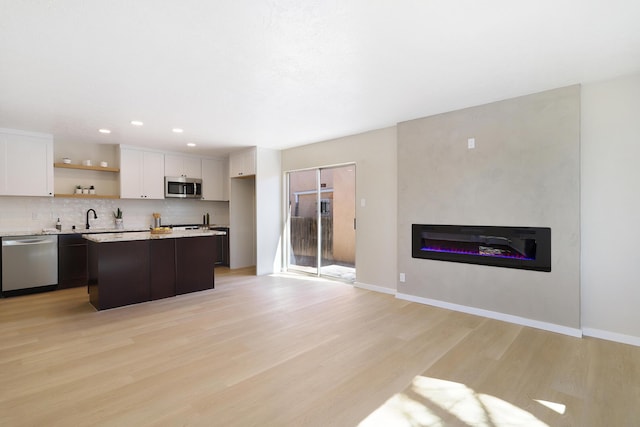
x,y
321,222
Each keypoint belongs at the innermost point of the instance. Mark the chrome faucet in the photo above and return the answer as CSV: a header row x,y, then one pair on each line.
x,y
95,216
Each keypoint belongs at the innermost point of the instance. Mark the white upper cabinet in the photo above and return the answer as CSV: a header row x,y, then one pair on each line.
x,y
215,179
242,163
26,163
175,165
141,174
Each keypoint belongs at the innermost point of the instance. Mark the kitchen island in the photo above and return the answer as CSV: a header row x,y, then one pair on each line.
x,y
129,268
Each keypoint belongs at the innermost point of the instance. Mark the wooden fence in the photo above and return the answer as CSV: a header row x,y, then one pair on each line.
x,y
304,237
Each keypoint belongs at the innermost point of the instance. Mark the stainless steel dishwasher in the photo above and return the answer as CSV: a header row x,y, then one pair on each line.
x,y
29,262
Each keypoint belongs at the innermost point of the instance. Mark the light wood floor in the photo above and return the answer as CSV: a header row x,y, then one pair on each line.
x,y
286,351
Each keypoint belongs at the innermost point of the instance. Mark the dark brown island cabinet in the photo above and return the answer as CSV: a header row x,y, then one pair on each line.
x,y
124,272
72,261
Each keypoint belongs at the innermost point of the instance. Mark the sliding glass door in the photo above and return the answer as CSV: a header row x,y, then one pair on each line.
x,y
303,221
321,221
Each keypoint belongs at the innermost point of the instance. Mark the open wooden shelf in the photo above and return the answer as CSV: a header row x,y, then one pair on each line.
x,y
87,196
86,168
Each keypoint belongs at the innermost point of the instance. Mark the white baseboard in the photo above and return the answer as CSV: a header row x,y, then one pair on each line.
x,y
375,288
552,327
611,336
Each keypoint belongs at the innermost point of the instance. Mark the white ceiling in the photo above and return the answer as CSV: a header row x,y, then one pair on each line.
x,y
281,73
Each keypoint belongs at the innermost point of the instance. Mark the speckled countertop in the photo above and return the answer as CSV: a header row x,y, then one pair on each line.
x,y
146,235
49,231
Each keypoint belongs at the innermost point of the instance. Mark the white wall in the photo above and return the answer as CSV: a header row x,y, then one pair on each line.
x,y
268,219
374,154
242,222
65,180
610,205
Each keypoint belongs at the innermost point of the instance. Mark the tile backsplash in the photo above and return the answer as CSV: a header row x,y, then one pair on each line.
x,y
32,214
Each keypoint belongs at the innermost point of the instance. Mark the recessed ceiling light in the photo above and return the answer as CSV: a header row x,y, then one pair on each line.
x,y
136,122
191,144
177,130
104,131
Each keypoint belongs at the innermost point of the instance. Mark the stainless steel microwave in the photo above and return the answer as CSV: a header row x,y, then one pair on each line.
x,y
182,187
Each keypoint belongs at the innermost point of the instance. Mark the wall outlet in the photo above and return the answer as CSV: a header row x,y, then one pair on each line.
x,y
363,203
402,277
471,143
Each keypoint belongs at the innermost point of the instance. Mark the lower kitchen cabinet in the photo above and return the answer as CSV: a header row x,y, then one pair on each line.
x,y
72,261
221,253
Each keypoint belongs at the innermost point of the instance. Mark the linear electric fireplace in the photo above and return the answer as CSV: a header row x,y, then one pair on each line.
x,y
528,248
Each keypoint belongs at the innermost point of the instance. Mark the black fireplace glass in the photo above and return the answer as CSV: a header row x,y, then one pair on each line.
x,y
526,248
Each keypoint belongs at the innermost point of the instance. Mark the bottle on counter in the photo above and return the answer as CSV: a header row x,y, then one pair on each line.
x,y
59,225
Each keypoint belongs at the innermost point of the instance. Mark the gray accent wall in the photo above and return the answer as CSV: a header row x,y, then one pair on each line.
x,y
524,171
